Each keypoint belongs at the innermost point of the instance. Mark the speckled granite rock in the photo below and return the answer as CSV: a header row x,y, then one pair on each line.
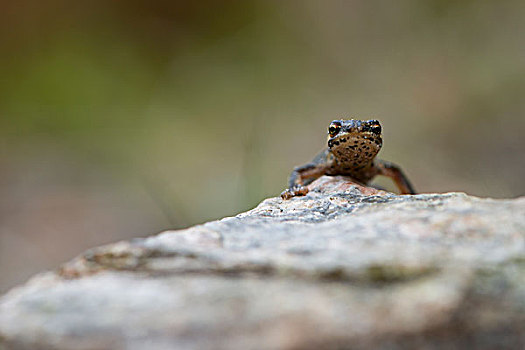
x,y
343,267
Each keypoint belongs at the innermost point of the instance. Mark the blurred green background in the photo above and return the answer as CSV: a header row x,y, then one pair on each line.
x,y
119,119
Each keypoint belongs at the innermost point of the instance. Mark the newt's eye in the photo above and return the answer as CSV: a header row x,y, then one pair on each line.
x,y
334,128
375,128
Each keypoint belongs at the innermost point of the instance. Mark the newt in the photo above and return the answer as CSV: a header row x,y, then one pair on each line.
x,y
352,149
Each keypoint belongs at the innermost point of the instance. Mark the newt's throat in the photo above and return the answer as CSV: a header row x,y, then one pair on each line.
x,y
355,150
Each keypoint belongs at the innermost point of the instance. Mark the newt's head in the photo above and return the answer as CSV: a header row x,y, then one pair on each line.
x,y
355,142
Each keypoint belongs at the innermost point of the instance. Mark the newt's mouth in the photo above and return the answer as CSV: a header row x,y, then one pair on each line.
x,y
355,138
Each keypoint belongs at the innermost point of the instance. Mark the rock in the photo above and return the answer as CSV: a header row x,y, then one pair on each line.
x,y
344,267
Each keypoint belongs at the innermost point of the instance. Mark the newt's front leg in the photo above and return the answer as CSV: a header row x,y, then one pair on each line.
x,y
302,176
396,174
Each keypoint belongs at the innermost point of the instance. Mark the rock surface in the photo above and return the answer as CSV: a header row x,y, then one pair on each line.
x,y
343,267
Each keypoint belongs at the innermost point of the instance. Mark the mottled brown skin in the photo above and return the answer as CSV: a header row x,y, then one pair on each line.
x,y
352,148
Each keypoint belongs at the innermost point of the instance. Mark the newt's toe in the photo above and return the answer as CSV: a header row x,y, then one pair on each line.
x,y
296,191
